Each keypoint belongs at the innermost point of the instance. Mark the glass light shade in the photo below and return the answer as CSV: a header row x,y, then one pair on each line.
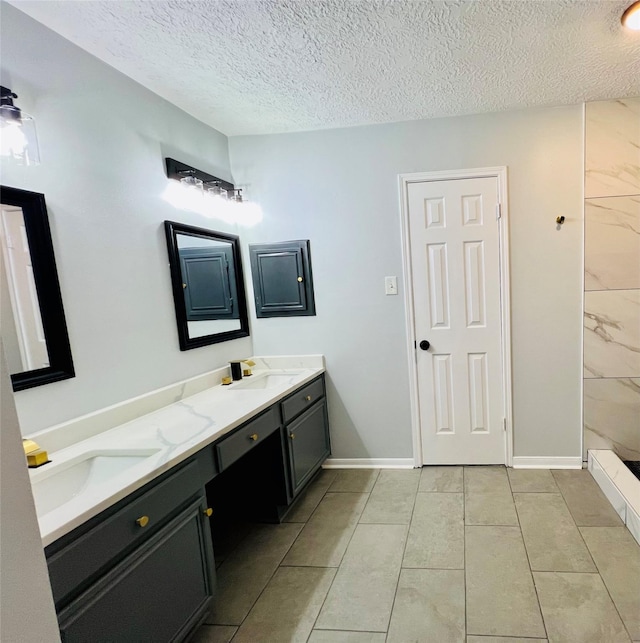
x,y
193,182
18,138
631,17
217,191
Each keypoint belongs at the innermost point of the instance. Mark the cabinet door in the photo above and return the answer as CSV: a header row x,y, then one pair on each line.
x,y
158,593
308,439
282,279
209,283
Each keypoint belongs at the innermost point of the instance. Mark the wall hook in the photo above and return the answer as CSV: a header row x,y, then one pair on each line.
x,y
560,219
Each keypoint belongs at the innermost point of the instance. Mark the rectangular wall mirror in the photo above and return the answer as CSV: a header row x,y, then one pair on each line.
x,y
35,334
208,285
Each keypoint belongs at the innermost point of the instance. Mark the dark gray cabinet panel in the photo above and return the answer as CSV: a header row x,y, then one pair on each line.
x,y
308,438
240,442
77,558
157,594
282,279
209,283
302,399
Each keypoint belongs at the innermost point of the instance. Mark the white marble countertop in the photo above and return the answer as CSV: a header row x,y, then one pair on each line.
x,y
176,431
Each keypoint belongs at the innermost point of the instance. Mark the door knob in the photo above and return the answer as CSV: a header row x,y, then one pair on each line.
x,y
424,345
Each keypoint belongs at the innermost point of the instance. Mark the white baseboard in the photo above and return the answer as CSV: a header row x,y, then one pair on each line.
x,y
543,462
369,463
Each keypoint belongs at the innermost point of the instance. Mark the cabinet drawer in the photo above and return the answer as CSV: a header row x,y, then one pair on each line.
x,y
234,446
157,594
89,553
302,399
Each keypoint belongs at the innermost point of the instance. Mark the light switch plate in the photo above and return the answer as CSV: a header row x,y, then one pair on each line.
x,y
390,285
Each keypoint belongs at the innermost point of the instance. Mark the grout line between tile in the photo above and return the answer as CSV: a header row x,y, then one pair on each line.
x,y
526,553
266,584
339,564
404,549
464,553
603,580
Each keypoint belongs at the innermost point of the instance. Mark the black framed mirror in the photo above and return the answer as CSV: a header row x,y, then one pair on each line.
x,y
208,285
37,342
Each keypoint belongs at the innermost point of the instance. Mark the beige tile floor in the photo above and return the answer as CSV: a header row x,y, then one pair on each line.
x,y
442,554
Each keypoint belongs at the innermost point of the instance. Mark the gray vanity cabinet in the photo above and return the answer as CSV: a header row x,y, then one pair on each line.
x,y
158,593
141,571
304,413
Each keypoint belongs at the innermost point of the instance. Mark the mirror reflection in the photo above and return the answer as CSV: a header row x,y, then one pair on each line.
x,y
24,341
33,324
208,287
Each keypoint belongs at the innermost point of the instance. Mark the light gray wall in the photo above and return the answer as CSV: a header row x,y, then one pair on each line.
x,y
27,613
103,139
339,188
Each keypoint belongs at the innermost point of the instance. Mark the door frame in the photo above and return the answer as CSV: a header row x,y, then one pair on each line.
x,y
500,173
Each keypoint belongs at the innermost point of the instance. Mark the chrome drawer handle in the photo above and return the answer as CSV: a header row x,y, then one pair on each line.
x,y
253,436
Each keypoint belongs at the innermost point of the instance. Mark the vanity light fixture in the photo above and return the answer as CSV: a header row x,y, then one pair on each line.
x,y
222,200
18,138
192,177
631,16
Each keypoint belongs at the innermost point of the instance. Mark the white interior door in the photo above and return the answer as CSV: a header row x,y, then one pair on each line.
x,y
454,246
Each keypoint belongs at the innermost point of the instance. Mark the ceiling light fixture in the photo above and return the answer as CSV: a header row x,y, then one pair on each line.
x,y
18,138
631,17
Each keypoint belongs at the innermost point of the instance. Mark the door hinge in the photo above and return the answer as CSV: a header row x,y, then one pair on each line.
x,y
498,211
504,424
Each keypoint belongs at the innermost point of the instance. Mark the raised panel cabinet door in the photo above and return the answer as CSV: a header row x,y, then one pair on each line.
x,y
309,447
209,283
158,593
282,279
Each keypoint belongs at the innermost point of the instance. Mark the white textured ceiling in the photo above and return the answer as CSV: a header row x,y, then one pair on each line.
x,y
264,66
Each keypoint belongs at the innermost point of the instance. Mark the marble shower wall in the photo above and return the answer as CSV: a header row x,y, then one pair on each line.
x,y
612,278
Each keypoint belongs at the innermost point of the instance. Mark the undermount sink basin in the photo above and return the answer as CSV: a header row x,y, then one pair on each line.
x,y
268,380
60,484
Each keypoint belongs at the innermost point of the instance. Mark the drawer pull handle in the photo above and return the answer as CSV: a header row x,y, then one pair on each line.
x,y
292,436
143,521
253,436
207,512
308,398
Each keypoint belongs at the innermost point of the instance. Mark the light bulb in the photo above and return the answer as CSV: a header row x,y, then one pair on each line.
x,y
631,17
12,139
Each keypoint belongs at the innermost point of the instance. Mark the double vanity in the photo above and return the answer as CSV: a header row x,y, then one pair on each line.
x,y
127,504
133,495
